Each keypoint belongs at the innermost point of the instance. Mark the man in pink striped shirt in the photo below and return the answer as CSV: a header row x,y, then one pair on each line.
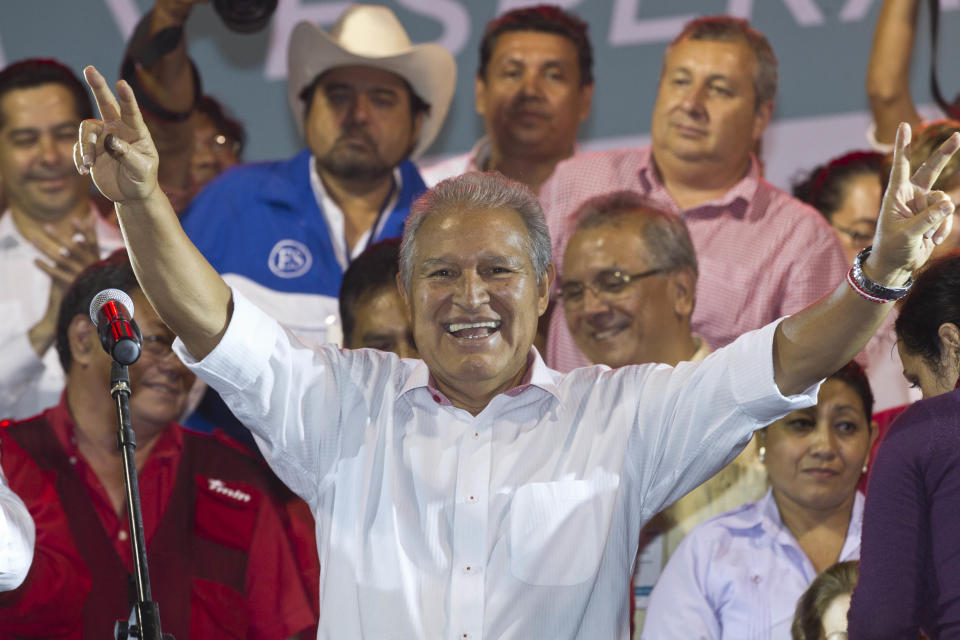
x,y
763,254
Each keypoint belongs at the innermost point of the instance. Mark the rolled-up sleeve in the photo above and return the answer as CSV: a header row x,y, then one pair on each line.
x,y
694,419
285,392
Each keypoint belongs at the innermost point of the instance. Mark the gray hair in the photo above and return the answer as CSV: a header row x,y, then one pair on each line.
x,y
479,191
665,235
730,29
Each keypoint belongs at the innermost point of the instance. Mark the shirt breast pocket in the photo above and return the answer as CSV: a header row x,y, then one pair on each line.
x,y
558,531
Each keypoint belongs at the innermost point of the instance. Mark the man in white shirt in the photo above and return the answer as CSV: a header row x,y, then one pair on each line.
x,y
50,231
477,493
534,87
17,537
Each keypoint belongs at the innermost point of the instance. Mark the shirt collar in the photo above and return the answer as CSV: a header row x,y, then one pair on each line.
x,y
479,157
169,443
538,375
743,191
333,215
703,349
767,518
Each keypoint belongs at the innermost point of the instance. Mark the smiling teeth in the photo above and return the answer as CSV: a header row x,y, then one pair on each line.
x,y
460,326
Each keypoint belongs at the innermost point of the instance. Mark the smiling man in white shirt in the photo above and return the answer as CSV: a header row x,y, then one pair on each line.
x,y
477,493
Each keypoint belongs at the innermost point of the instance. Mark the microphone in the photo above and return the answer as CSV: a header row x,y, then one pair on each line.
x,y
112,312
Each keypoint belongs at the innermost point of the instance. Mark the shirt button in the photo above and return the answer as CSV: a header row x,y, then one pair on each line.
x,y
472,499
476,435
122,535
72,459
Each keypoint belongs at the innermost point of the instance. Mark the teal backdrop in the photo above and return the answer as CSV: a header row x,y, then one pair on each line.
x,y
822,45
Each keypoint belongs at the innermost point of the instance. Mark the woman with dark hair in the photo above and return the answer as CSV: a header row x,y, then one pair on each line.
x,y
910,569
822,609
738,576
847,192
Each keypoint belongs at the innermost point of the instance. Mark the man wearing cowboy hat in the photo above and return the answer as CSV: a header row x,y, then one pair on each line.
x,y
367,101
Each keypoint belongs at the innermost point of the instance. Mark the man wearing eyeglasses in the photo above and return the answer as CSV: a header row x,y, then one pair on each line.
x,y
220,559
762,253
628,289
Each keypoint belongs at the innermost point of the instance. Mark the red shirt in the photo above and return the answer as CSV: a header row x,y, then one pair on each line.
x,y
276,605
46,598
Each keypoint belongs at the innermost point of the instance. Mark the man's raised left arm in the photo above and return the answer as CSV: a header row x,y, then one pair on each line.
x,y
815,342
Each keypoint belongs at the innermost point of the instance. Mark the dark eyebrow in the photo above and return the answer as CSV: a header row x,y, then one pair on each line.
x,y
24,131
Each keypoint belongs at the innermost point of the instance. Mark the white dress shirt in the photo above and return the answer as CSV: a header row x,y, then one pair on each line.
x,y
738,577
521,522
30,383
17,537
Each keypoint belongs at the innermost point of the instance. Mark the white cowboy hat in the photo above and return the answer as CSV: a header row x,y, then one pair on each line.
x,y
372,36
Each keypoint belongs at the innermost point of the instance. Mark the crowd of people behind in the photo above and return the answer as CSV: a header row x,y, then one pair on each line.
x,y
662,255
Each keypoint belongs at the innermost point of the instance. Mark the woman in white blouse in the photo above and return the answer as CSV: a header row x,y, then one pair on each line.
x,y
739,575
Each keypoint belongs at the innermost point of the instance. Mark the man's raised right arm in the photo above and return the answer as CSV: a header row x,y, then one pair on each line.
x,y
187,293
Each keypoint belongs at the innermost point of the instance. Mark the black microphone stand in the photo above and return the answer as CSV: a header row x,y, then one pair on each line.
x,y
144,621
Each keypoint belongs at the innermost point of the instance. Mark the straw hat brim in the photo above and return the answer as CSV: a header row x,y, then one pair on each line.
x,y
429,69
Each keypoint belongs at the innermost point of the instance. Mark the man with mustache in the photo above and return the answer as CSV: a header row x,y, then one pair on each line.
x,y
534,87
367,101
50,230
715,99
476,493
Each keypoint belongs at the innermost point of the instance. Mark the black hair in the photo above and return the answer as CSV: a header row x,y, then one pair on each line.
x,y
546,18
36,72
934,299
826,186
113,272
373,270
856,378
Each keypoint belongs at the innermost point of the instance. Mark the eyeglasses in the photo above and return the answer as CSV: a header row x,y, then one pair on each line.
x,y
858,238
157,346
218,144
606,284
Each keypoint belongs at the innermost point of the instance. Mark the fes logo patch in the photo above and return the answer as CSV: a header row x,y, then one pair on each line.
x,y
289,259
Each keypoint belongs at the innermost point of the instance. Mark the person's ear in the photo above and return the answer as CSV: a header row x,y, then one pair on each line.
x,y
761,119
683,291
874,434
586,101
543,290
84,340
949,337
402,289
480,96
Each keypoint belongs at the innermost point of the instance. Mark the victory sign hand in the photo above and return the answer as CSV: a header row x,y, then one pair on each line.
x,y
913,218
117,151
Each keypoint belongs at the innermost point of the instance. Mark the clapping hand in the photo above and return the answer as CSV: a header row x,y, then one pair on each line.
x,y
913,218
117,151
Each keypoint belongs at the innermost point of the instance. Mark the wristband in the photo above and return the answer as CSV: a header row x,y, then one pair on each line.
x,y
869,289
